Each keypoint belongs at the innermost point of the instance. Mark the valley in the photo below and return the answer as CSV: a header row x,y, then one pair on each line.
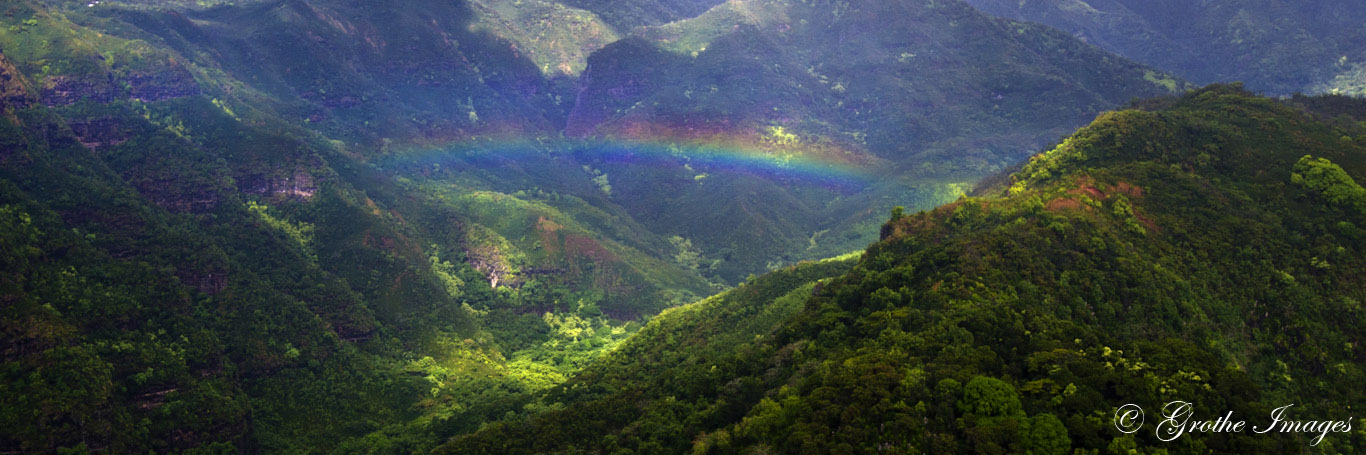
x,y
582,226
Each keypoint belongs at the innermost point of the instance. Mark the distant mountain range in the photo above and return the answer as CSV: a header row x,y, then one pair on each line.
x,y
914,102
1279,47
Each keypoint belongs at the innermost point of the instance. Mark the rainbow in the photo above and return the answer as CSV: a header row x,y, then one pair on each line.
x,y
822,164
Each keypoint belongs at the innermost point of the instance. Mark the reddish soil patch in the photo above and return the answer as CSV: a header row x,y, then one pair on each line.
x,y
548,232
1128,189
1063,203
545,225
589,259
898,229
926,225
1088,190
584,246
1087,185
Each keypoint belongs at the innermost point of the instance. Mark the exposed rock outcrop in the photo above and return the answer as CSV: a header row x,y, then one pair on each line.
x,y
67,90
175,194
13,86
172,82
98,133
299,184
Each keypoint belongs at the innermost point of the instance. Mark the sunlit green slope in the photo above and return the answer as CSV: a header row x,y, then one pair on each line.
x,y
188,267
1205,249
228,220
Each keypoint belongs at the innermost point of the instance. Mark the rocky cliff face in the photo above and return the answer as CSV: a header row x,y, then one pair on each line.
x,y
169,83
298,185
13,87
67,90
99,133
177,195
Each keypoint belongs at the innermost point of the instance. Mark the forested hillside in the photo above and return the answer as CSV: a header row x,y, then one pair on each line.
x,y
187,268
912,102
1275,46
399,226
1204,248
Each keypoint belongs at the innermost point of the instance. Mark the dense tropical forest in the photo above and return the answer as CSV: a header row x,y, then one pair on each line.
x,y
1202,248
662,226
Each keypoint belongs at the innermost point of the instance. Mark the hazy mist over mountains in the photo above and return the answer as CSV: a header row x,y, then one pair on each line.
x,y
1277,47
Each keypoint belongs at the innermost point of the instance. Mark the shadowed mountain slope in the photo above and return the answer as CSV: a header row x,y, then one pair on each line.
x,y
1274,46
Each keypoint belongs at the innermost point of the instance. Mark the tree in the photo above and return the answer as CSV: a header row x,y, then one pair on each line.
x,y
686,255
990,397
1045,435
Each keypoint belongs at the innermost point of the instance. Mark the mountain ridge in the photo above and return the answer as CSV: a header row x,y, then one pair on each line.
x,y
1276,47
1012,322
224,216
